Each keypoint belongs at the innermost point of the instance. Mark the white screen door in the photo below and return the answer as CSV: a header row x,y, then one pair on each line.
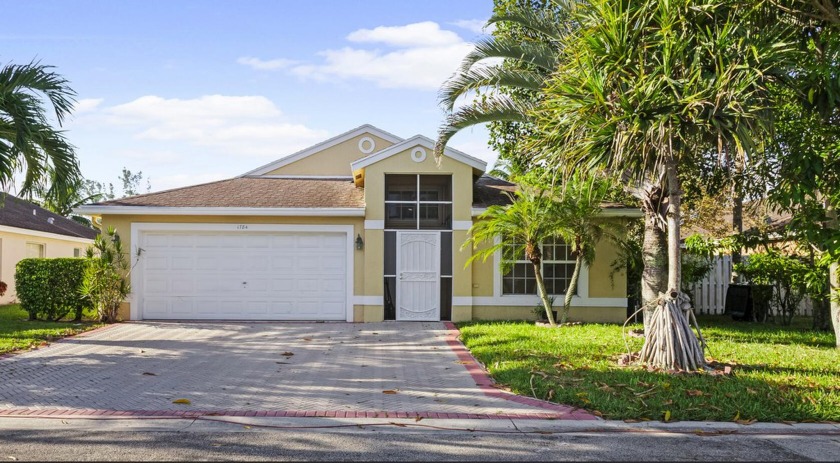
x,y
418,275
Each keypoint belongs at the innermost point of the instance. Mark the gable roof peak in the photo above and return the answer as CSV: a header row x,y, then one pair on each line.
x,y
424,141
330,142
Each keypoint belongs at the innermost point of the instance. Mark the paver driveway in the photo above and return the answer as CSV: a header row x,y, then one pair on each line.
x,y
332,367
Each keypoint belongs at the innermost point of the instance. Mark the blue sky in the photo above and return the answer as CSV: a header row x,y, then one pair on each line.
x,y
194,91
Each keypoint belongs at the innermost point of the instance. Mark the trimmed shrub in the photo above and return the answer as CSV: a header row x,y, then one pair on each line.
x,y
50,289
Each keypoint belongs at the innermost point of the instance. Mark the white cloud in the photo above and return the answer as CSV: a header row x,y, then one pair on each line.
x,y
265,65
476,26
423,57
85,105
233,125
422,34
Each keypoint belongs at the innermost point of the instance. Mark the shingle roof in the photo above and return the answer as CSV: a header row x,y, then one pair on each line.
x,y
255,192
18,213
488,191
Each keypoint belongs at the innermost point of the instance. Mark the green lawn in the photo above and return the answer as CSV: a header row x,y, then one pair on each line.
x,y
778,373
17,332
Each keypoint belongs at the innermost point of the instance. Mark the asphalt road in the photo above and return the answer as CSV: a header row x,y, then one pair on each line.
x,y
89,440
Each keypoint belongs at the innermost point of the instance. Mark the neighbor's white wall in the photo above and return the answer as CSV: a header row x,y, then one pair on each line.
x,y
13,249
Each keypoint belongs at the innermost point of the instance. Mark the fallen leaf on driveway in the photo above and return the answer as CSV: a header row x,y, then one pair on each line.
x,y
389,391
182,401
288,354
146,373
282,363
418,418
463,362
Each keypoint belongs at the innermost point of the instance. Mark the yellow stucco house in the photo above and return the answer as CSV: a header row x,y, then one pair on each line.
x,y
27,230
363,227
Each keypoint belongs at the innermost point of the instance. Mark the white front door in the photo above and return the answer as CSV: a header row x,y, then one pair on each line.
x,y
418,275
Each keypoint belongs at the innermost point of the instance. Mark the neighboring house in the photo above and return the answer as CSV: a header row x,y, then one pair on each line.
x,y
365,226
27,230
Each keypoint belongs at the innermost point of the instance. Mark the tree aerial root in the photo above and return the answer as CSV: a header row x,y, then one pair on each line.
x,y
670,343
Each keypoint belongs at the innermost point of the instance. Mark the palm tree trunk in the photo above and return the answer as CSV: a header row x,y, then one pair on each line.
x,y
673,220
737,227
543,294
670,343
655,261
834,280
572,289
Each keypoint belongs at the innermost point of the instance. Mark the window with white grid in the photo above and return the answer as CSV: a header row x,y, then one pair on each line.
x,y
557,268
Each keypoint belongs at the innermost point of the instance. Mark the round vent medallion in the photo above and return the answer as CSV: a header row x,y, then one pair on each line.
x,y
367,145
418,155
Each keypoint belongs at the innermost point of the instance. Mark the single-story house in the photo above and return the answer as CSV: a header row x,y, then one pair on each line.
x,y
363,227
27,230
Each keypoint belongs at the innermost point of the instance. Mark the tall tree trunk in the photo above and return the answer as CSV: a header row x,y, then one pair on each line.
x,y
834,274
543,293
672,218
737,227
737,208
834,280
670,343
654,254
572,289
655,270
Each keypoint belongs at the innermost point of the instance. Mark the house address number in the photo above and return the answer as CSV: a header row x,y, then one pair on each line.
x,y
241,227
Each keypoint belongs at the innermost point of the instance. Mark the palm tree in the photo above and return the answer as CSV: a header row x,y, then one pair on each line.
x,y
28,143
525,69
516,229
646,85
579,206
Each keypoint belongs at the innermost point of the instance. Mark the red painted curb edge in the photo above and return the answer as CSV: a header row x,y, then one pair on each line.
x,y
486,384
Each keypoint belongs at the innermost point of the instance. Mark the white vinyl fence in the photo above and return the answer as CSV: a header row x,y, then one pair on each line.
x,y
710,293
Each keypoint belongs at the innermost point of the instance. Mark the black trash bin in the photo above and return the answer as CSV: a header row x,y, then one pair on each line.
x,y
738,303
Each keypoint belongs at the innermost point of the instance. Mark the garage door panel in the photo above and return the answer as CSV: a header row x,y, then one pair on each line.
x,y
157,240
153,262
287,276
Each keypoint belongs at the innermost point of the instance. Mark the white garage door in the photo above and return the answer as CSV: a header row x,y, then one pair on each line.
x,y
243,276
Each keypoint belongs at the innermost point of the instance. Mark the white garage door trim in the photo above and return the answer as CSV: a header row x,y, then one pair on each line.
x,y
137,229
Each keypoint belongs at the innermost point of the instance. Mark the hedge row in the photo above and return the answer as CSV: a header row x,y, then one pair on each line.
x,y
50,289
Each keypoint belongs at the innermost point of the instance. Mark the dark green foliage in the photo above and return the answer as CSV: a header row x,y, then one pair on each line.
x,y
788,276
50,289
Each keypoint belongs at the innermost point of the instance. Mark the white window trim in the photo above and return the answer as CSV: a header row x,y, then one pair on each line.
x,y
545,261
418,202
521,299
43,251
581,300
137,229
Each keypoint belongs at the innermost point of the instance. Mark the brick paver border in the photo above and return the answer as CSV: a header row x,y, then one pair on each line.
x,y
487,385
482,380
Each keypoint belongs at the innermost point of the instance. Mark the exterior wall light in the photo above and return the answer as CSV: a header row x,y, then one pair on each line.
x,y
360,243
